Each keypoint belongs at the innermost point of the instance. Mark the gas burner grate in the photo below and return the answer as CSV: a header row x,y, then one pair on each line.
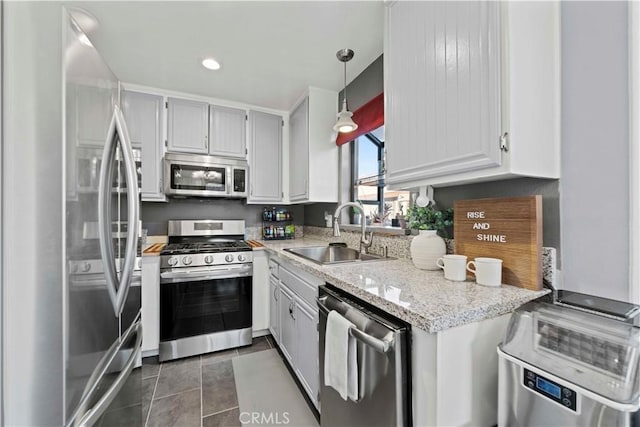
x,y
179,248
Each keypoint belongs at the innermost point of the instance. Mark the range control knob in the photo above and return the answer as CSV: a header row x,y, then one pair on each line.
x,y
86,267
74,268
228,258
208,259
241,258
172,261
187,260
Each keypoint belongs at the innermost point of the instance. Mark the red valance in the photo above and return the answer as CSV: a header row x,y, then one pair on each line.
x,y
368,117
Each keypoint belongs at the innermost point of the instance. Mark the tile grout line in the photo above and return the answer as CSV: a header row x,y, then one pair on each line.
x,y
175,394
155,387
221,412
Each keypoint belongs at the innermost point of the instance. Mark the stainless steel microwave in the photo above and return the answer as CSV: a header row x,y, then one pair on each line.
x,y
204,176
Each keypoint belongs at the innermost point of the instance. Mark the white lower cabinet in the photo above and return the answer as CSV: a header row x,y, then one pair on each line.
x,y
274,321
294,323
455,374
150,305
260,295
306,321
287,323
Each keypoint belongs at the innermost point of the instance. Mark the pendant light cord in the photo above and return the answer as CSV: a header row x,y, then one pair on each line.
x,y
345,84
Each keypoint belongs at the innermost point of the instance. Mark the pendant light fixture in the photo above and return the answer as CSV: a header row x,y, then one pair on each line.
x,y
345,123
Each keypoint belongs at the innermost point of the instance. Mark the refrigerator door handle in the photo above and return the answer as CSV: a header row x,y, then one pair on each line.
x,y
118,289
88,417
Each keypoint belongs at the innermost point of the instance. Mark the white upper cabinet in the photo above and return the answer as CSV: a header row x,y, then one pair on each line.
x,y
143,114
299,152
265,157
471,91
227,132
94,110
187,130
313,154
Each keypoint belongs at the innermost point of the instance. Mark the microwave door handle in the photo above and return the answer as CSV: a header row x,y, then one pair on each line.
x,y
104,214
229,179
132,208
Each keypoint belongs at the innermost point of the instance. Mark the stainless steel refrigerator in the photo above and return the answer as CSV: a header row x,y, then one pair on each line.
x,y
72,339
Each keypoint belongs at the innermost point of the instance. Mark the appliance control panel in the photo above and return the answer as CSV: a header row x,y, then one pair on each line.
x,y
550,389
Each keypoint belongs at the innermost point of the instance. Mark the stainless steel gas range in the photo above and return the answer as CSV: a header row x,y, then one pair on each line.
x,y
205,288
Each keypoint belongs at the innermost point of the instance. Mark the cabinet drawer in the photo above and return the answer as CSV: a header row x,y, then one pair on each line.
x,y
306,291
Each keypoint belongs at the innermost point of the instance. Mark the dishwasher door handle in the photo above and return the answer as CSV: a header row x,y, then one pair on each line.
x,y
381,346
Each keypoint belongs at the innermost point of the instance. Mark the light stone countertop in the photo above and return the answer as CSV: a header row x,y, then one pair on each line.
x,y
425,299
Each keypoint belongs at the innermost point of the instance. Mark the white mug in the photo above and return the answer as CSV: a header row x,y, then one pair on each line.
x,y
488,271
454,267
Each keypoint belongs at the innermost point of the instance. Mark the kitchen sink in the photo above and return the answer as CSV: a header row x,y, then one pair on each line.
x,y
333,254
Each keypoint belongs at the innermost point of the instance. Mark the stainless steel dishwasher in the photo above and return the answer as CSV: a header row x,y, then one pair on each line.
x,y
384,379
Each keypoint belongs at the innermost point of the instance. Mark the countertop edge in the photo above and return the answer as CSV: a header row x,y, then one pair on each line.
x,y
430,324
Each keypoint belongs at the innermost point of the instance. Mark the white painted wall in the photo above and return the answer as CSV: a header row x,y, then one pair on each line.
x,y
32,221
594,188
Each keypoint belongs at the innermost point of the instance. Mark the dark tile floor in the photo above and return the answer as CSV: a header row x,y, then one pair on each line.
x,y
196,391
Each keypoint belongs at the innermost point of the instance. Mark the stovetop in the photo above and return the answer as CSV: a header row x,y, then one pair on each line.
x,y
205,247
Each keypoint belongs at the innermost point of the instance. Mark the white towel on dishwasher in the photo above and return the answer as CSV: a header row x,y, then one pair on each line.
x,y
340,357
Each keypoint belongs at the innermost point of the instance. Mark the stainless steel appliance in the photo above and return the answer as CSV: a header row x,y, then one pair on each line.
x,y
574,362
71,338
383,366
204,176
205,288
88,169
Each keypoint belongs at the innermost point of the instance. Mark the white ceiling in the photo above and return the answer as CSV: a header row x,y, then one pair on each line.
x,y
270,51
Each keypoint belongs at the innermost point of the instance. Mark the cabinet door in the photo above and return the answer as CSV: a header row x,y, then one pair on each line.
x,y
274,314
143,114
265,165
299,152
287,324
442,80
187,126
150,305
306,319
227,132
260,291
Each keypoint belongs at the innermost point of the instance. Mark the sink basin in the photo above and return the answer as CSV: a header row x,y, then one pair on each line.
x,y
333,254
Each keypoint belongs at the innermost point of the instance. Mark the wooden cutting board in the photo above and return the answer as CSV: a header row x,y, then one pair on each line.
x,y
508,228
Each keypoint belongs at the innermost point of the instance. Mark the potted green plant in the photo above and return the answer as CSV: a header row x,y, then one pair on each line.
x,y
428,246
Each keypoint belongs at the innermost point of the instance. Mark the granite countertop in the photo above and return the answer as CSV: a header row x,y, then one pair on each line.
x,y
425,299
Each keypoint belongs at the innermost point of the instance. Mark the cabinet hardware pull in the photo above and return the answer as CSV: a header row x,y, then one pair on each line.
x,y
504,142
275,294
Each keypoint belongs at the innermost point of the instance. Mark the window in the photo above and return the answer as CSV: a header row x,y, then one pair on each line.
x,y
367,165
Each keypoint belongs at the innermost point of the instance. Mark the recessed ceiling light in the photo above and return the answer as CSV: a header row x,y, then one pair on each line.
x,y
211,64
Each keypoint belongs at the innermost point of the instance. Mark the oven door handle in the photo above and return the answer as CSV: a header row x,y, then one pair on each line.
x,y
187,275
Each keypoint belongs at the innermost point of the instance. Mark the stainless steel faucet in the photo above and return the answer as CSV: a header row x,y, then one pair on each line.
x,y
365,242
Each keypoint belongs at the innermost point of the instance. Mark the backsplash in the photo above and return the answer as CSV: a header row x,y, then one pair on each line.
x,y
398,246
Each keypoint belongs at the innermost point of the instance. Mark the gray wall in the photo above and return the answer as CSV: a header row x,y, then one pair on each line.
x,y
548,188
365,86
595,172
156,215
368,84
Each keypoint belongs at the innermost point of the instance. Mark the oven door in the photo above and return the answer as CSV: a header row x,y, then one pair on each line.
x,y
204,301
